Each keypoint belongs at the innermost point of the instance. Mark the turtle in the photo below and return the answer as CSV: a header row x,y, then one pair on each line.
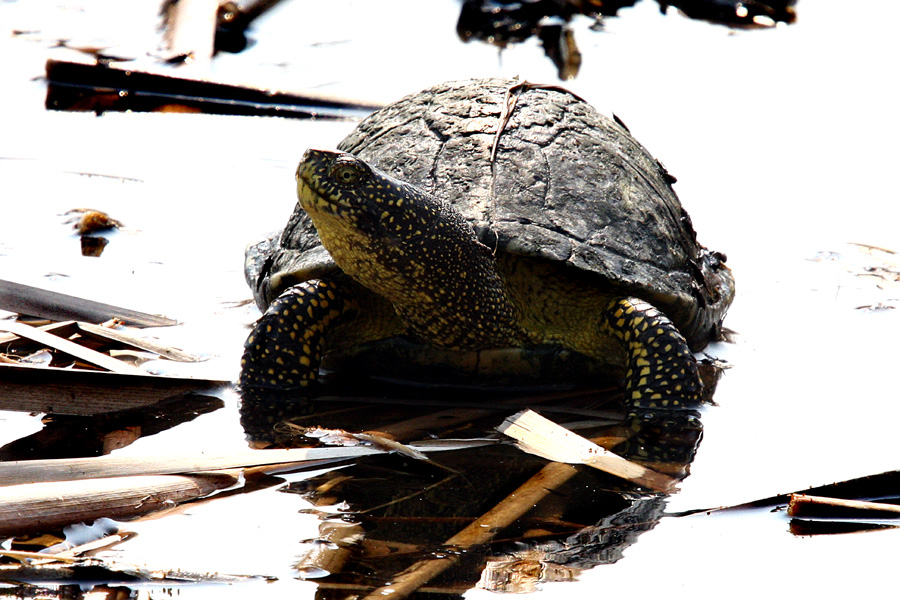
x,y
485,223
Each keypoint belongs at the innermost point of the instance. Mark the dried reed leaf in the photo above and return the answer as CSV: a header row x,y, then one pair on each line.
x,y
69,347
542,437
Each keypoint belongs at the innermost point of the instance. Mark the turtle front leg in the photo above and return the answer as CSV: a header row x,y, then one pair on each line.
x,y
282,355
661,370
285,349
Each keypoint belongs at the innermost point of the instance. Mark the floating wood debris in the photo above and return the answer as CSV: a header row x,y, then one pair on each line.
x,y
818,515
541,436
38,302
99,88
71,348
86,335
81,392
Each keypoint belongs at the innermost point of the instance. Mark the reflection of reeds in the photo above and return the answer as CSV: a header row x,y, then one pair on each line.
x,y
480,531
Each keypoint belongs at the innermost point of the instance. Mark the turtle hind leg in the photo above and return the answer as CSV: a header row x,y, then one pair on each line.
x,y
661,370
285,348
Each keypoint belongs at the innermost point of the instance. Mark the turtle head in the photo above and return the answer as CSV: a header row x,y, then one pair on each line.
x,y
377,228
406,245
343,194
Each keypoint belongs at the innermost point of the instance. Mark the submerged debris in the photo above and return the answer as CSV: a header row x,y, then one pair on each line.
x,y
506,22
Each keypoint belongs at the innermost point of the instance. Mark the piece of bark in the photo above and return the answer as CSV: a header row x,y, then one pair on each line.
x,y
37,302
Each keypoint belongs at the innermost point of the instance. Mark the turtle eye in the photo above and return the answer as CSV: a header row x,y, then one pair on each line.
x,y
348,172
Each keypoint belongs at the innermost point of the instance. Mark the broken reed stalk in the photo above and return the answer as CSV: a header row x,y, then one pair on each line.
x,y
802,505
39,495
47,506
72,469
542,437
480,531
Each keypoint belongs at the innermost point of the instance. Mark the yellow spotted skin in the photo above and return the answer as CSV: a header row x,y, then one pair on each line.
x,y
411,265
285,349
410,248
661,370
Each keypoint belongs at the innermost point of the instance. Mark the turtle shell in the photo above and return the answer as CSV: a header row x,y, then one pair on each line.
x,y
538,172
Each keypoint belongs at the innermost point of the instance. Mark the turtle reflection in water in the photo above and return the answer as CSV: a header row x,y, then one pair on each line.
x,y
494,228
398,513
487,232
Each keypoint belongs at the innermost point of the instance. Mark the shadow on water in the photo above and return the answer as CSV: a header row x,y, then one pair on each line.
x,y
383,518
74,436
